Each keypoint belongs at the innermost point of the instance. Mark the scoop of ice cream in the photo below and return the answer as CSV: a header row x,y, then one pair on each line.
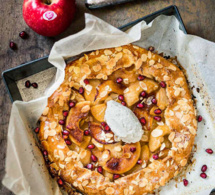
x,y
123,122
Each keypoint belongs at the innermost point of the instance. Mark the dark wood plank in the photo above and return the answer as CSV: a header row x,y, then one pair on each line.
x,y
198,16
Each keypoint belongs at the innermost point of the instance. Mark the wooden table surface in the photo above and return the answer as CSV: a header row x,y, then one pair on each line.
x,y
198,16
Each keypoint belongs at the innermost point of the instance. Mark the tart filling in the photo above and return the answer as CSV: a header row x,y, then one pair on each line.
x,y
75,128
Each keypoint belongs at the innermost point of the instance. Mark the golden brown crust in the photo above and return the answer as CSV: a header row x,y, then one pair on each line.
x,y
180,120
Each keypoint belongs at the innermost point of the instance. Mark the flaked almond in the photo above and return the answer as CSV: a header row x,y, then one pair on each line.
x,y
179,81
151,62
61,154
118,148
126,51
111,63
177,92
183,162
97,52
144,57
172,67
149,54
156,133
109,190
138,63
118,48
77,70
166,78
171,136
53,125
144,138
177,139
85,182
97,68
143,85
118,56
85,109
107,52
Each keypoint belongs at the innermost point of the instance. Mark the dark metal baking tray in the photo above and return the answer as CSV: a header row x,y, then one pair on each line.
x,y
11,76
104,4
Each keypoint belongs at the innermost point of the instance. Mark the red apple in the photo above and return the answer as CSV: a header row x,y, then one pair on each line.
x,y
48,17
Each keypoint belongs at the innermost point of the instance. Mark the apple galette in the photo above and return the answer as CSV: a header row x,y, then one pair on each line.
x,y
88,153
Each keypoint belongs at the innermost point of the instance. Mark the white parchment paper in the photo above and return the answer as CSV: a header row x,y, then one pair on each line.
x,y
25,170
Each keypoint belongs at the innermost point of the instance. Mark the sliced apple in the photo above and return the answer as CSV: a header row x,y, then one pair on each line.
x,y
162,99
106,88
98,145
157,137
91,96
129,76
132,93
98,112
150,122
126,162
144,155
76,114
85,157
100,135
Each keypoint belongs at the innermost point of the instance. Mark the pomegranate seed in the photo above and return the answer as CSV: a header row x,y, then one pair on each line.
x,y
121,97
116,176
123,103
94,158
100,169
185,182
162,84
158,111
27,84
119,80
103,124
12,45
157,118
155,156
143,120
143,94
140,105
133,149
71,104
139,162
199,118
68,142
34,85
140,78
203,175
154,101
209,151
86,132
107,128
90,166
60,182
23,35
91,146
65,113
86,81
65,137
65,132
45,153
204,168
151,48
61,122
81,90
36,130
